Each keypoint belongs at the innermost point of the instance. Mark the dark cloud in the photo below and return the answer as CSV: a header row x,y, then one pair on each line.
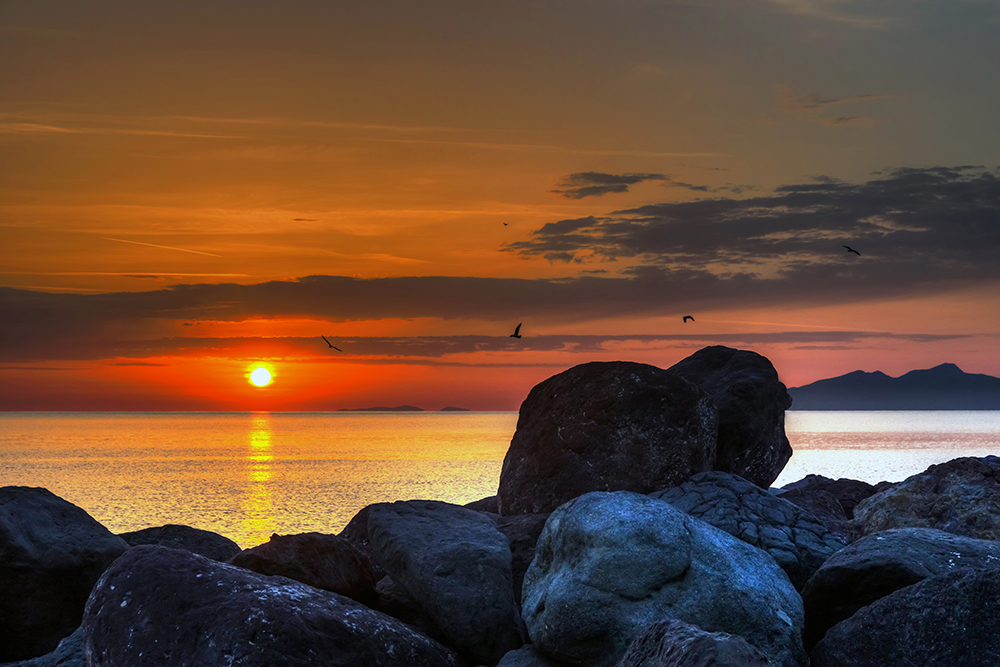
x,y
865,121
595,184
810,102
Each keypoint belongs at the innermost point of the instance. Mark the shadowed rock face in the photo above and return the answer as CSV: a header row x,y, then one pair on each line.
x,y
51,554
848,492
751,403
673,643
202,542
606,427
944,621
169,607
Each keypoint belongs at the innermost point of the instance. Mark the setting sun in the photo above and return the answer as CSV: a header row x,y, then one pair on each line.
x,y
260,377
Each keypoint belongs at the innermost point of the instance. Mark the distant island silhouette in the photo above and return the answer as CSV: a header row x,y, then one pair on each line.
x,y
944,387
402,408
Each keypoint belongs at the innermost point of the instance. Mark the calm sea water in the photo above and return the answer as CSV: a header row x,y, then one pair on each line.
x,y
248,475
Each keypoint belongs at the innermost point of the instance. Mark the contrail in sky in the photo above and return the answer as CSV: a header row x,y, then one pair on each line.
x,y
165,247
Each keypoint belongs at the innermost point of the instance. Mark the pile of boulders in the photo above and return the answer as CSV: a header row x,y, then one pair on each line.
x,y
633,527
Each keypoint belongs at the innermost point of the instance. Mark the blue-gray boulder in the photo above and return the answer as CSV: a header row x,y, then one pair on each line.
x,y
673,643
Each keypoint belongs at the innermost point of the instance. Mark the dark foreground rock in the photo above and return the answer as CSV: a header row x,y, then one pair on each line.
x,y
961,496
51,554
943,621
608,565
673,643
848,492
606,426
356,532
323,561
169,607
527,656
880,564
798,541
751,403
202,542
522,531
457,566
69,653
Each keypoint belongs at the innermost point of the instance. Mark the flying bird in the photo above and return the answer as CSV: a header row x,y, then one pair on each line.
x,y
850,249
505,224
688,317
331,344
517,331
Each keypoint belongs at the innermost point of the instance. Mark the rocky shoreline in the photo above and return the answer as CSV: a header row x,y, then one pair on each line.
x,y
633,526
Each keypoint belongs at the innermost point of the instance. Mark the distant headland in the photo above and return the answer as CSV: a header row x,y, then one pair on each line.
x,y
401,408
944,387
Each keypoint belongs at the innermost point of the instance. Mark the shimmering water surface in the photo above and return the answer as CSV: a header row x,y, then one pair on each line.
x,y
248,475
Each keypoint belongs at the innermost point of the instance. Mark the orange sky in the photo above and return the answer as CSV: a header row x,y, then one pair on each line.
x,y
189,190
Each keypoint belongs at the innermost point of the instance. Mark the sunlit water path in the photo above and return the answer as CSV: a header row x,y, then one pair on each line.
x,y
248,475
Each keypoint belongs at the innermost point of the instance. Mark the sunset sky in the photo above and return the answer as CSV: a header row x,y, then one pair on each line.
x,y
191,190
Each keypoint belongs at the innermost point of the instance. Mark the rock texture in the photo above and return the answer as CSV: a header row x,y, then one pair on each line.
x,y
848,492
943,621
324,561
961,496
751,403
673,643
457,566
526,656
824,506
606,426
202,542
522,531
880,564
356,532
51,554
69,653
794,537
608,565
169,607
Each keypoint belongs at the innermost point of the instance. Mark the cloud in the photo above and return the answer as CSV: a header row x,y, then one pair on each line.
x,y
596,184
864,121
811,105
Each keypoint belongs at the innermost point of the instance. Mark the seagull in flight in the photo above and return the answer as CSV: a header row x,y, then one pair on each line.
x,y
850,249
688,317
517,331
331,344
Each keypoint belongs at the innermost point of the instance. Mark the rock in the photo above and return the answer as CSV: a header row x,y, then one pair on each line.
x,y
356,532
606,426
944,621
526,656
751,403
396,602
879,564
323,561
607,565
522,531
961,496
489,504
848,492
794,537
69,653
51,554
457,566
673,643
202,542
170,607
824,506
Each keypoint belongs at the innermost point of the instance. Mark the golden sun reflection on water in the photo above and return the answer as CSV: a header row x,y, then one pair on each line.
x,y
258,503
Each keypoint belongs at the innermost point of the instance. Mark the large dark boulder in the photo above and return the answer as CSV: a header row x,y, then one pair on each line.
x,y
796,539
673,643
522,531
961,496
751,403
606,426
880,564
457,566
356,532
848,492
172,608
608,565
69,653
51,554
324,561
824,506
944,621
202,542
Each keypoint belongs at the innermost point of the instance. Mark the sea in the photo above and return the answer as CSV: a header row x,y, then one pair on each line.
x,y
248,475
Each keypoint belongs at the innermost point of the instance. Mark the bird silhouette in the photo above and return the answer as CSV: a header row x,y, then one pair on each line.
x,y
331,344
517,331
505,224
850,249
688,317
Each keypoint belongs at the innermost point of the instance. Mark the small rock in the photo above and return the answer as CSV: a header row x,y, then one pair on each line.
x,y
202,542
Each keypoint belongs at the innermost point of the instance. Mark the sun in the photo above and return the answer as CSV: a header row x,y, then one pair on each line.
x,y
260,377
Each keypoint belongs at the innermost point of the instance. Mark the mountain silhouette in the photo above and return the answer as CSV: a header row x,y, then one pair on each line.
x,y
944,387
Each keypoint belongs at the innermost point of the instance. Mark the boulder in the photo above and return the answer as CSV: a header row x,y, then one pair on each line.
x,y
796,539
606,426
396,602
879,564
526,656
961,496
356,532
848,492
673,643
607,565
324,561
824,506
51,554
170,607
521,531
69,653
944,621
751,403
202,542
488,504
457,566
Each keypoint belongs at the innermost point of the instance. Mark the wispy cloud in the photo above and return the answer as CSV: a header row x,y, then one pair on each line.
x,y
164,247
39,128
595,184
837,11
